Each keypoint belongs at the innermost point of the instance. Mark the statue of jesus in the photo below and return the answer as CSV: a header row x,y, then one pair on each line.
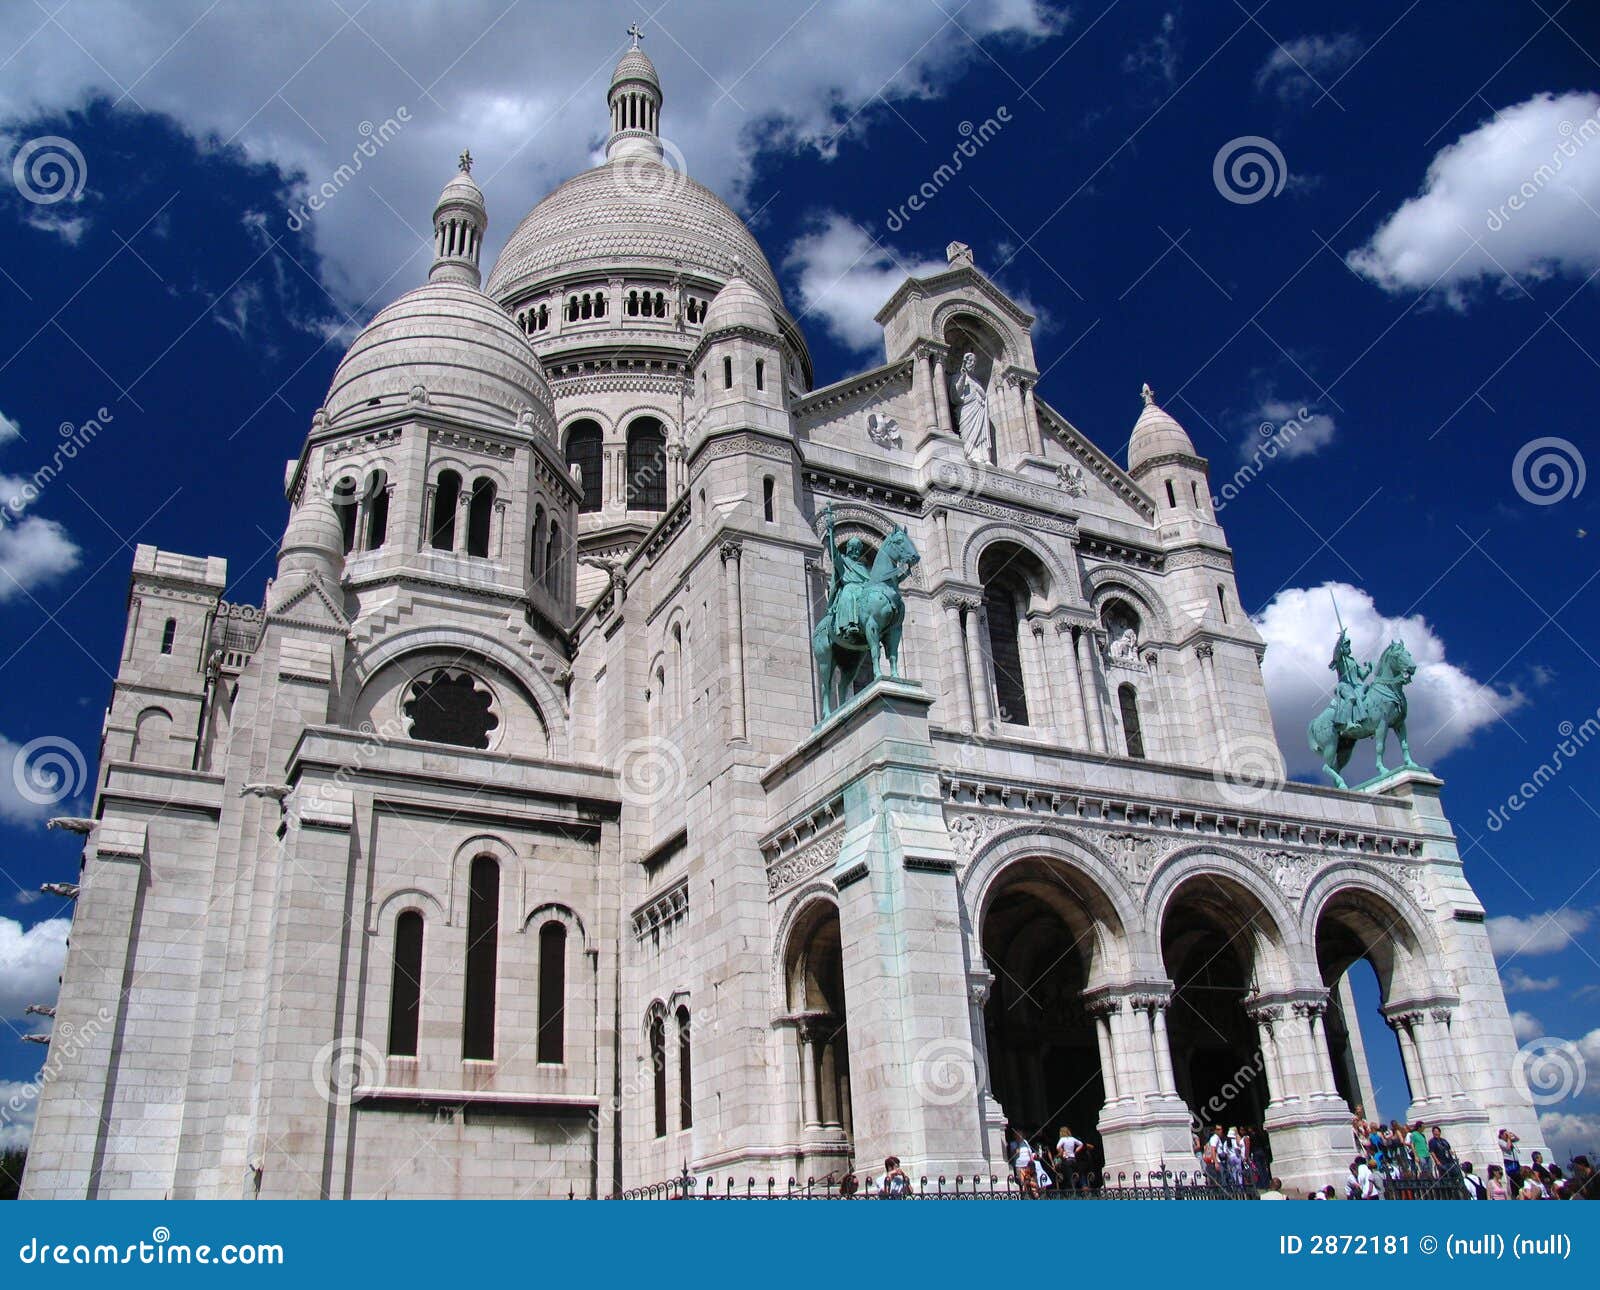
x,y
972,411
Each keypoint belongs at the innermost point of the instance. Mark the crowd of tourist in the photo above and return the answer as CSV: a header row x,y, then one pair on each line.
x,y
1038,1170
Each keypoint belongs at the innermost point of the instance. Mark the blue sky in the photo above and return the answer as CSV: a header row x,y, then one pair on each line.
x,y
1401,292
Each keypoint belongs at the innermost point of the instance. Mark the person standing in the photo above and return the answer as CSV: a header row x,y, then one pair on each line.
x,y
1497,1183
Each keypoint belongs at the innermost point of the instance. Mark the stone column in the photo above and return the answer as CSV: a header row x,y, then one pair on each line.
x,y
1440,1049
1030,417
1205,651
1266,1017
1404,1025
1094,719
811,1113
1048,692
731,552
1100,1011
941,396
1076,736
929,398
1146,1124
956,660
977,673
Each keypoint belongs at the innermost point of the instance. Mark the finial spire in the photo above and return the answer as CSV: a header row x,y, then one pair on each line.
x,y
1147,394
633,30
464,161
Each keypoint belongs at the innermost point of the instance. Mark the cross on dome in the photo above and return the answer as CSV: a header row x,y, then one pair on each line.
x,y
464,161
1147,394
633,30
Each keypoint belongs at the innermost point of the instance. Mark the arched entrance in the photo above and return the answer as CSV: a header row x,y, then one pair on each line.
x,y
1039,941
1212,935
1367,956
814,987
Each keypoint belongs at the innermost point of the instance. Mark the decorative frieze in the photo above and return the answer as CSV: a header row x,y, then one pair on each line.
x,y
671,906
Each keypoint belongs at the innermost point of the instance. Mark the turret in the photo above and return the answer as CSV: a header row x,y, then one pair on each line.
x,y
635,102
1162,458
460,220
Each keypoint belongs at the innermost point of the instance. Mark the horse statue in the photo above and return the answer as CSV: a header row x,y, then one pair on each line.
x,y
865,612
1370,700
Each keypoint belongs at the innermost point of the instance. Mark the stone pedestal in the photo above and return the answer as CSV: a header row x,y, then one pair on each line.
x,y
916,1079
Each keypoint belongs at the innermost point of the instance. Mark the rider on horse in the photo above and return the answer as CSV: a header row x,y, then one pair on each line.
x,y
1352,675
850,572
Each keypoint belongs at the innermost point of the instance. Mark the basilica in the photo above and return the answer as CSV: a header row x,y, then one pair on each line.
x,y
513,846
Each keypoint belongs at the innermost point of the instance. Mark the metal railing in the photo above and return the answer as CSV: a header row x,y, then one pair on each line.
x,y
1156,1185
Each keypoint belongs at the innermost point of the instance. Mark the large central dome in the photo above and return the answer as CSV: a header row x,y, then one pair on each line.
x,y
631,212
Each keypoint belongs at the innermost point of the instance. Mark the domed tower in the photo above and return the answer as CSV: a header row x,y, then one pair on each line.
x,y
1161,457
435,450
611,277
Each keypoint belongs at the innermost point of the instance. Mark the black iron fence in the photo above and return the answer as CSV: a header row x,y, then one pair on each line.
x,y
1155,1185
1424,1186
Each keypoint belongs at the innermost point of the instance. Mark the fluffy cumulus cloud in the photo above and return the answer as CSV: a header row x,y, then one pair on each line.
x,y
1306,66
18,1101
1516,196
1570,1134
1548,933
1447,706
1516,981
844,275
30,962
522,85
33,550
1290,430
1526,1026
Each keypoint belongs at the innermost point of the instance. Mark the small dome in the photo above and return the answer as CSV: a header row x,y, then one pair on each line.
x,y
635,65
462,190
739,304
1156,434
446,345
314,538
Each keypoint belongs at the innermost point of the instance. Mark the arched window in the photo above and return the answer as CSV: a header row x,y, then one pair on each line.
x,y
586,308
685,1080
483,940
761,374
768,486
169,634
451,708
1133,734
658,1060
1194,492
599,304
377,509
632,307
552,557
480,516
536,543
344,504
727,373
1010,690
1172,498
405,991
584,451
544,316
647,466
1222,601
446,497
552,991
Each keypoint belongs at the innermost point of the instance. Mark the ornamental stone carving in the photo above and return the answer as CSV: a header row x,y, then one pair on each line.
x,y
815,855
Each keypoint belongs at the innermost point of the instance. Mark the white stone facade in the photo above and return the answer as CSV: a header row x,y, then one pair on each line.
x,y
501,853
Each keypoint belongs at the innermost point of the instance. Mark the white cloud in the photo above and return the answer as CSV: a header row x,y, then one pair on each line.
x,y
33,552
1292,428
1159,56
69,228
1517,195
524,85
844,277
1302,68
30,962
1526,1026
9,429
1547,933
1571,1135
1446,705
1516,981
18,1101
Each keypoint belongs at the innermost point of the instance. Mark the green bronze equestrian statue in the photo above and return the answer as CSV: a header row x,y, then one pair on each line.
x,y
865,612
1367,701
